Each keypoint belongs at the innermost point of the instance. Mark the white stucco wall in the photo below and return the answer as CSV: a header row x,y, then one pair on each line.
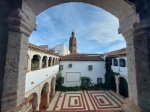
x,y
81,67
121,70
39,76
32,52
62,49
118,69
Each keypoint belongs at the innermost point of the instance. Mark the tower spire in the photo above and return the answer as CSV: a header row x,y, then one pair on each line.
x,y
72,43
72,34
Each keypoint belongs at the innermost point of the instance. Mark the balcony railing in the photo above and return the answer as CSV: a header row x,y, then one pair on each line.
x,y
34,78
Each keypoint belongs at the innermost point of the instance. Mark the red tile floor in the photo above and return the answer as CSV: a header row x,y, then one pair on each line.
x,y
90,101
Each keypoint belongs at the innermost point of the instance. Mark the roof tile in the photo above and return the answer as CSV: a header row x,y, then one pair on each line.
x,y
80,57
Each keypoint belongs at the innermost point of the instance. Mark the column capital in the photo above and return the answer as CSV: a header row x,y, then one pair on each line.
x,y
117,79
128,34
30,57
22,20
138,28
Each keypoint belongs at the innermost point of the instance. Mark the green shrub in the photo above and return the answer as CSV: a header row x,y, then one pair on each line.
x,y
109,76
64,89
59,82
85,82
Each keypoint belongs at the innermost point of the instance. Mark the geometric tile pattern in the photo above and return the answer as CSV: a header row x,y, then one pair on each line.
x,y
102,100
86,101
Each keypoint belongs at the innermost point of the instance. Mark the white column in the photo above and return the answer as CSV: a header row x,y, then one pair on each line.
x,y
29,63
53,94
54,62
47,62
37,107
40,64
47,98
117,87
117,84
51,61
112,61
36,103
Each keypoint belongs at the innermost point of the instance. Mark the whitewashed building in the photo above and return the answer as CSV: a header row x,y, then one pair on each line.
x,y
120,68
119,62
42,69
61,49
75,66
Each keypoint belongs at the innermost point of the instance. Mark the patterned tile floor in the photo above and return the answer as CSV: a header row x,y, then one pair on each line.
x,y
99,101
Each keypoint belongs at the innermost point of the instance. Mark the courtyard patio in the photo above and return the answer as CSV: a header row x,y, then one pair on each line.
x,y
99,101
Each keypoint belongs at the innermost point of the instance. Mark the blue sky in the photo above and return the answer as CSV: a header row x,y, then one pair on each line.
x,y
95,29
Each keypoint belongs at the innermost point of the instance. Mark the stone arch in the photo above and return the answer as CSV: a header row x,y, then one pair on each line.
x,y
35,62
123,87
44,92
52,86
121,11
33,98
130,24
46,87
113,9
44,61
50,61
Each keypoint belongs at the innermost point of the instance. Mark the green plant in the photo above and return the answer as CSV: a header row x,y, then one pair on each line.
x,y
59,81
109,76
64,88
85,82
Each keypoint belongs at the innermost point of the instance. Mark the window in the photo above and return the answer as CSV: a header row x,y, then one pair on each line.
x,y
60,67
122,63
90,67
99,80
70,65
115,62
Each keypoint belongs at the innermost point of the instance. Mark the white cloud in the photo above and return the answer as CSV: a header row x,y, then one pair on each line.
x,y
89,23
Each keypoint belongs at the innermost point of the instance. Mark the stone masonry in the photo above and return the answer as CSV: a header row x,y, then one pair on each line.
x,y
17,21
15,30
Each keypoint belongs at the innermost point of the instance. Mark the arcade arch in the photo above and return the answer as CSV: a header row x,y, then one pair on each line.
x,y
18,21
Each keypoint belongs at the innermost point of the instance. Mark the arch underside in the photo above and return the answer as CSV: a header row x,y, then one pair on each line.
x,y
115,7
123,88
124,11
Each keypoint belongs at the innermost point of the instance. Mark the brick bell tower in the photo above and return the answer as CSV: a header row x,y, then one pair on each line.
x,y
72,43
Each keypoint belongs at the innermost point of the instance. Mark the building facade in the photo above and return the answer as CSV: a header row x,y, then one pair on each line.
x,y
75,66
120,68
42,69
19,20
61,49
